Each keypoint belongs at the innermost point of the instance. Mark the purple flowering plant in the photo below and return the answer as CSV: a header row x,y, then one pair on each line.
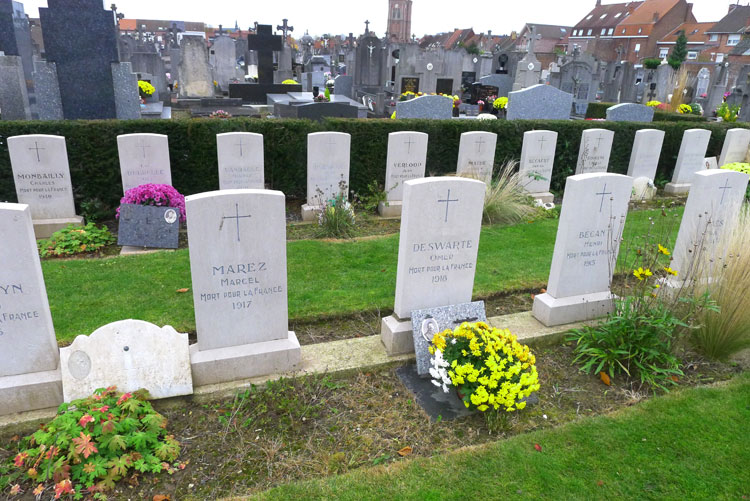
x,y
160,195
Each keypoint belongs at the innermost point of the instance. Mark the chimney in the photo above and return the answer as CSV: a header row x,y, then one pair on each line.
x,y
656,17
489,33
598,3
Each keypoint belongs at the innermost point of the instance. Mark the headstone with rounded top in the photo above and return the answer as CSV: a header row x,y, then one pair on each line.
x,y
690,160
144,159
537,161
241,160
594,152
476,155
327,170
735,148
407,158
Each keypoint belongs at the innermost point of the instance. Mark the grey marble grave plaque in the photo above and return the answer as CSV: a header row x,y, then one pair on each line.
x,y
149,226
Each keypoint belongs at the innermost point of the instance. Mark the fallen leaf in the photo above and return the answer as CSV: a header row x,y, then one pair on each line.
x,y
182,291
15,438
538,447
160,497
405,451
675,379
605,378
600,483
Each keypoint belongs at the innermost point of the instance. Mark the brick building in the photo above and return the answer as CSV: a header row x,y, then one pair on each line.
x,y
729,31
399,21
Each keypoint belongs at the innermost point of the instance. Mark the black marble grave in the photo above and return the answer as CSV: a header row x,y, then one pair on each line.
x,y
256,93
80,37
315,111
149,226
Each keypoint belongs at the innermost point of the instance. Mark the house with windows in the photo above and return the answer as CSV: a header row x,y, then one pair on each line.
x,y
729,31
699,46
550,40
595,33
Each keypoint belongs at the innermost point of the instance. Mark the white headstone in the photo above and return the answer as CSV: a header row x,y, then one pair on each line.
x,y
593,155
241,161
327,169
588,240
711,163
689,160
238,265
42,178
130,354
736,143
711,211
144,159
407,158
537,161
29,369
437,255
644,159
476,155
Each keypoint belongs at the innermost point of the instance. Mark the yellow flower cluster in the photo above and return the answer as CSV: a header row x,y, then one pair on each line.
x,y
488,365
500,103
653,104
685,109
146,88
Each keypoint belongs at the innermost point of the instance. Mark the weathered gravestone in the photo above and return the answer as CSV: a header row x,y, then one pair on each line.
x,y
241,160
80,37
327,170
476,155
437,253
504,83
343,86
689,160
29,368
539,102
596,147
736,143
195,73
130,354
14,97
630,112
47,90
644,158
127,99
428,322
430,107
711,212
237,244
588,240
223,59
42,177
537,161
148,226
144,159
407,158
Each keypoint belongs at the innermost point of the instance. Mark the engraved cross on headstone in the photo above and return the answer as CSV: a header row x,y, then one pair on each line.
x,y
241,144
542,140
143,147
37,148
479,144
599,141
236,217
331,141
447,203
724,191
603,194
409,143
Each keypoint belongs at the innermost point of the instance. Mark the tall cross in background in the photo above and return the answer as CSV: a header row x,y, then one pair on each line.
x,y
285,28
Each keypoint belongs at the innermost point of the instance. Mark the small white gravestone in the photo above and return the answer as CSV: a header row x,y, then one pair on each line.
x,y
711,163
711,211
130,354
588,240
537,161
29,358
476,155
42,178
237,244
689,160
437,252
241,161
644,158
144,159
736,144
327,170
593,155
407,158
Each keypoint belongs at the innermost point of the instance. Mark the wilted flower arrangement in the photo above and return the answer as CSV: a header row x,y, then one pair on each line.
x,y
488,367
161,195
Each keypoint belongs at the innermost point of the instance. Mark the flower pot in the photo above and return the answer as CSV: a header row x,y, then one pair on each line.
x,y
455,111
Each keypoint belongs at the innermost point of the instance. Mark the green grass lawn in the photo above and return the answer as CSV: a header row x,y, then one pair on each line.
x,y
691,444
325,278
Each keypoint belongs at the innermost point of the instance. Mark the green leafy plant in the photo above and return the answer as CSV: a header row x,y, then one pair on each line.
x,y
73,240
728,113
336,216
373,196
651,63
93,443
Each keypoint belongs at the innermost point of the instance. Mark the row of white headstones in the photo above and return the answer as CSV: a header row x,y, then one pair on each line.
x,y
237,244
42,176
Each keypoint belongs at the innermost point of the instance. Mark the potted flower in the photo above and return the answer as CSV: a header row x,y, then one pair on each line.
x,y
145,89
487,367
160,195
480,103
500,105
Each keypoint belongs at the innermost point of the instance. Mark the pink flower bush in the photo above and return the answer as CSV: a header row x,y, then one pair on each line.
x,y
161,195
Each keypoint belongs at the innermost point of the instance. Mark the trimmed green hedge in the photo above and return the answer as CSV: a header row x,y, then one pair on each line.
x,y
599,110
95,172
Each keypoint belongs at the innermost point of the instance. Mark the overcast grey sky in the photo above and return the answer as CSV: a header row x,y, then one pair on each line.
x,y
343,16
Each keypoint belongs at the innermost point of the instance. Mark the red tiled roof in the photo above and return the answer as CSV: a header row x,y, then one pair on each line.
x,y
606,16
644,13
695,32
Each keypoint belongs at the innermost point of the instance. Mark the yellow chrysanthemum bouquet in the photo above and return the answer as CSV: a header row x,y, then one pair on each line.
x,y
145,88
488,367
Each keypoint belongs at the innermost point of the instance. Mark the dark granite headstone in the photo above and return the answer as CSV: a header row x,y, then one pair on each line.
x,y
426,323
435,402
265,44
80,37
487,91
149,226
444,86
315,111
410,84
